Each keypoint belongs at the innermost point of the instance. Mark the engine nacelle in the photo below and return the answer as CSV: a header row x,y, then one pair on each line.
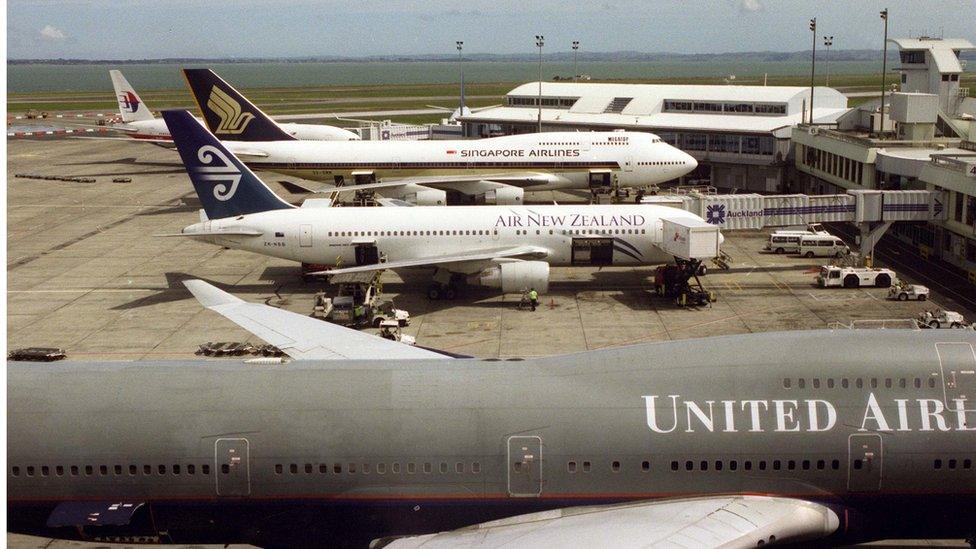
x,y
504,196
427,197
516,276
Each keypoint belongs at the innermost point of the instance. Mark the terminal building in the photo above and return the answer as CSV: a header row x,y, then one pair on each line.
x,y
740,135
925,141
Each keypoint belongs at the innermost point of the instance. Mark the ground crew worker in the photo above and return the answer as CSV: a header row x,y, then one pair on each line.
x,y
534,298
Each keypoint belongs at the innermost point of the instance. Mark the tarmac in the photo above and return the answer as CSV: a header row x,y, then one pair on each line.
x,y
87,273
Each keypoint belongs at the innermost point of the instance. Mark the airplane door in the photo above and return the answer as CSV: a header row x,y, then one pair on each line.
x,y
232,467
524,467
864,463
305,236
629,164
958,364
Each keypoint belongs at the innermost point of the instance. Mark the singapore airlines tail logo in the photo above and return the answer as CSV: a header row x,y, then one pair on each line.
x,y
225,173
232,120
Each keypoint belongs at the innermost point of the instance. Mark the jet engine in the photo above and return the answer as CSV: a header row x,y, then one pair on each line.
x,y
516,276
427,197
504,196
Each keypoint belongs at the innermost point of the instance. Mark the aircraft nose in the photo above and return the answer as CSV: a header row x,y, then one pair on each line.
x,y
687,161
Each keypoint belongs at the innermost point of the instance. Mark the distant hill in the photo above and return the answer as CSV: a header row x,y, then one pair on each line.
x,y
617,56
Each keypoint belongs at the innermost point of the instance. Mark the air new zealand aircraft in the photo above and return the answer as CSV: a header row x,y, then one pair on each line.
x,y
738,441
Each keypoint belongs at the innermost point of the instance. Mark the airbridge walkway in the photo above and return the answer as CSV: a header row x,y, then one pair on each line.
x,y
871,211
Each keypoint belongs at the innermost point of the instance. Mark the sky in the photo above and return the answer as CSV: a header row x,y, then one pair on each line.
x,y
147,29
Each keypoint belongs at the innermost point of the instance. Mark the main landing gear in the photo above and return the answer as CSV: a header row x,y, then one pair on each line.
x,y
445,289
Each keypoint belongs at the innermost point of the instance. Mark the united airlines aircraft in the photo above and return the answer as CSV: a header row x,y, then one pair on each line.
x,y
496,170
819,437
507,247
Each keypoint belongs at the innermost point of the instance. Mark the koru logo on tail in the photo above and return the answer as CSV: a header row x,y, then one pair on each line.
x,y
224,173
232,119
129,101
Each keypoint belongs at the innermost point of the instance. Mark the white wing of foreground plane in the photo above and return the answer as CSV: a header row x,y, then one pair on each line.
x,y
718,521
302,337
474,258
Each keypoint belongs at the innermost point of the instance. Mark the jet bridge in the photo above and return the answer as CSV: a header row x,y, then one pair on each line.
x,y
872,211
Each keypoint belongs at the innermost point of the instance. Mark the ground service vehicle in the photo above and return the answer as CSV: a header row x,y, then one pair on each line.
x,y
904,292
832,276
787,241
822,246
940,318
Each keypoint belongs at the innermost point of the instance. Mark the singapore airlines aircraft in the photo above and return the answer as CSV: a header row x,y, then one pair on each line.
x,y
507,247
138,121
496,170
820,437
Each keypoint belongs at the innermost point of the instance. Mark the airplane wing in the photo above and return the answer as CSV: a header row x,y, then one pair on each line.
x,y
452,182
302,337
718,521
477,256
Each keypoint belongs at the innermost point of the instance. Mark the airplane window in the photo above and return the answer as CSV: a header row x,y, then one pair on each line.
x,y
937,464
278,469
381,468
74,470
858,464
176,469
843,383
674,465
967,463
801,383
645,466
225,468
323,468
786,383
45,470
776,464
550,231
59,470
689,466
411,468
103,469
428,467
308,468
15,471
476,467
459,467
733,465
830,383
162,469
337,468
443,468
952,464
748,465
718,465
395,467
704,465
147,469
859,383
902,383
30,470
806,465
791,464
615,466
586,466
205,469
887,383
537,231
816,383
874,383
931,382
571,466
352,468
293,468
762,465
365,468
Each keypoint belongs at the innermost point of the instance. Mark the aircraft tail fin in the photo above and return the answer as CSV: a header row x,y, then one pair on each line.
x,y
225,186
229,115
131,107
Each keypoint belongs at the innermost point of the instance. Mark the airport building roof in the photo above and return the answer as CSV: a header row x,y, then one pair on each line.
x,y
742,109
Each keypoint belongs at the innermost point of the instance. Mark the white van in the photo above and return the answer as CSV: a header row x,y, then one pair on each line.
x,y
784,243
822,246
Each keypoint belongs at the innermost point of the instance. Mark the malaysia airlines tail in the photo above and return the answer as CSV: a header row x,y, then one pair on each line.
x,y
132,108
226,187
229,115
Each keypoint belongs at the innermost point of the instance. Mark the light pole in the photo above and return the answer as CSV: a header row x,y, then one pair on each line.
x,y
828,41
884,69
813,63
540,41
460,45
575,59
